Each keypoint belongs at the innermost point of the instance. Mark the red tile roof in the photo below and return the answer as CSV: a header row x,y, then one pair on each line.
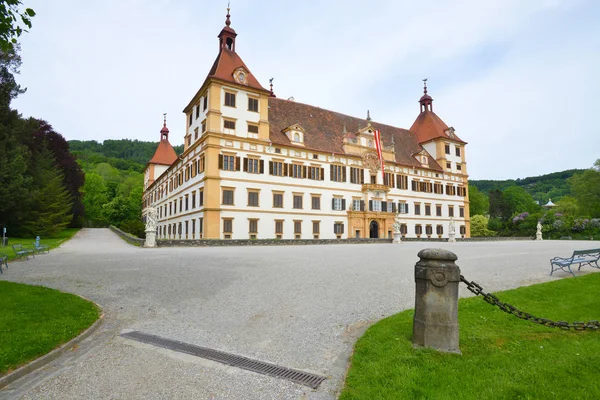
x,y
324,130
226,63
165,154
429,126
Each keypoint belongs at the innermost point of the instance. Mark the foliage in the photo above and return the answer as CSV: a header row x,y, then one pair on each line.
x,y
586,189
518,200
94,197
499,207
11,18
136,151
35,320
50,241
479,226
478,202
503,357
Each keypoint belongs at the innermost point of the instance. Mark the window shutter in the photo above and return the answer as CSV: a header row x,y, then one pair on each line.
x,y
285,169
245,164
362,176
384,206
237,163
322,174
304,171
394,208
333,204
270,167
343,174
362,205
344,205
262,166
331,172
342,228
220,161
370,205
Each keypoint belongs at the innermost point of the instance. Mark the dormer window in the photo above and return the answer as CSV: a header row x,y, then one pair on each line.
x,y
295,134
370,142
297,137
423,159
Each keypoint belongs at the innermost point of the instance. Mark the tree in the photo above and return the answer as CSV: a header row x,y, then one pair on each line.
x,y
10,22
586,189
94,197
478,202
479,226
518,200
499,208
51,203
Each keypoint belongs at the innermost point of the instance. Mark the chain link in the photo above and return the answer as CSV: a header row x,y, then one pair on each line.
x,y
510,309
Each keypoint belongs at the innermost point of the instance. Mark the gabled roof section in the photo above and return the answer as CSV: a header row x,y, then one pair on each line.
x,y
164,154
325,131
428,126
224,66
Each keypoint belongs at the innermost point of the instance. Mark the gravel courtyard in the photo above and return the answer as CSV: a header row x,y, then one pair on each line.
x,y
301,307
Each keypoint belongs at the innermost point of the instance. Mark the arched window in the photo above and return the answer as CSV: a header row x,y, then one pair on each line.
x,y
297,137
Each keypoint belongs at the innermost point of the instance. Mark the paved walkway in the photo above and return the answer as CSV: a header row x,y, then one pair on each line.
x,y
301,307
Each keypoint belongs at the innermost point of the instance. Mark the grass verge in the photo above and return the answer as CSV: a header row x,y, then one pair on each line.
x,y
503,357
34,320
53,242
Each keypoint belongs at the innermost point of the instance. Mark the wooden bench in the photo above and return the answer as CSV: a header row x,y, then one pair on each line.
x,y
3,260
581,257
21,251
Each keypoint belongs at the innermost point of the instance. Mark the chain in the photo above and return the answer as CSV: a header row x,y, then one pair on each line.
x,y
507,308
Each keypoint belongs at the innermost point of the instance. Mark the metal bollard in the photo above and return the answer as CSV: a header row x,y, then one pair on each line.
x,y
435,323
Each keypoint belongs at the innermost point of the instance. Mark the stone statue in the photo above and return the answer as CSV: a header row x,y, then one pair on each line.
x,y
452,230
151,217
538,234
397,224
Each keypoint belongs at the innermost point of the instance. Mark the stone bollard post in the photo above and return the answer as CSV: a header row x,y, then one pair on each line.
x,y
435,323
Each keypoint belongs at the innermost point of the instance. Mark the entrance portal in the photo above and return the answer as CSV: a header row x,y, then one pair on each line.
x,y
374,230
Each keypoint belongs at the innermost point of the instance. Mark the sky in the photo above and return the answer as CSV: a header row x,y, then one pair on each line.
x,y
518,80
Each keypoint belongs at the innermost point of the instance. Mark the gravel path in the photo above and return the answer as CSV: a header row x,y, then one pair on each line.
x,y
301,307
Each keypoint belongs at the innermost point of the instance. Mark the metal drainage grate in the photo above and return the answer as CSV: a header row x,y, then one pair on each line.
x,y
261,367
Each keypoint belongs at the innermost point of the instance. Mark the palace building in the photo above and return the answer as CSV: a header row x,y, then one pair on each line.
x,y
255,166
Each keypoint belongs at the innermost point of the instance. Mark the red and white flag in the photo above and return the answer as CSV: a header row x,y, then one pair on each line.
x,y
378,146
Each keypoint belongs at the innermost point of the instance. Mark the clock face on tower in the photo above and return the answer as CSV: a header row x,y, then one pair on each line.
x,y
240,76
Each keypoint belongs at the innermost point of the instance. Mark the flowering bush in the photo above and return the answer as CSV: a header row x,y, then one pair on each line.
x,y
594,223
520,217
579,225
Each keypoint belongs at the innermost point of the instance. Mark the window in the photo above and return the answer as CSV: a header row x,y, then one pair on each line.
x,y
297,137
447,149
438,188
297,171
228,197
439,230
277,200
461,212
253,129
253,226
463,230
315,173
276,168
197,110
451,211
458,167
253,165
252,104
403,208
191,119
373,179
375,205
457,151
228,163
205,104
338,204
201,164
428,230
316,202
227,226
189,139
402,182
417,209
195,133
229,126
316,227
230,99
338,228
277,151
403,229
418,230
279,227
388,179
357,175
451,190
253,199
200,228
338,173
297,229
448,165
462,191
187,202
357,205
438,210
427,209
203,126
315,156
298,201
201,197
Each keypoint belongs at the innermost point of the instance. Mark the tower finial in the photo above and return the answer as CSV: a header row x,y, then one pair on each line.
x,y
271,84
227,21
368,116
165,120
425,85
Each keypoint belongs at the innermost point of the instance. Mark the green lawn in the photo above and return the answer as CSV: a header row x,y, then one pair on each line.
x,y
53,242
503,357
34,320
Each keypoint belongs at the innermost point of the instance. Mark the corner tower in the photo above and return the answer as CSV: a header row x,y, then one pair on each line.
x,y
163,157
